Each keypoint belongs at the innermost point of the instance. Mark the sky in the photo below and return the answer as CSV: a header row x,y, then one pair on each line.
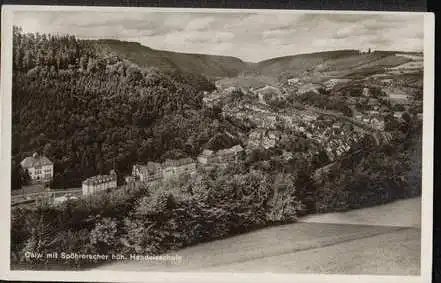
x,y
249,36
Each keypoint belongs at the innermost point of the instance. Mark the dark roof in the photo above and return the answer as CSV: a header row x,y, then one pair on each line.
x,y
35,161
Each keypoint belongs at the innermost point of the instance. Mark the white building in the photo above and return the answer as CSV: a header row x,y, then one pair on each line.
x,y
99,183
293,81
39,167
146,173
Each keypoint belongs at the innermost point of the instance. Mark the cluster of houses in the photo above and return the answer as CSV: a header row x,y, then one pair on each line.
x,y
154,171
336,137
371,118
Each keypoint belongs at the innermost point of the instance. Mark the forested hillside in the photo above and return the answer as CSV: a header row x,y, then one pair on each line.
x,y
209,65
88,110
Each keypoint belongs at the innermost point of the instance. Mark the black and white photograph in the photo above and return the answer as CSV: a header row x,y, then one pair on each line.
x,y
191,141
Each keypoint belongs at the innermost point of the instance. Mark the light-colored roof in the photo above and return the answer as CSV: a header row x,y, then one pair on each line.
x,y
178,162
35,161
99,179
207,152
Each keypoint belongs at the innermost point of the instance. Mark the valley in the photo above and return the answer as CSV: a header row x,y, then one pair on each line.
x,y
322,132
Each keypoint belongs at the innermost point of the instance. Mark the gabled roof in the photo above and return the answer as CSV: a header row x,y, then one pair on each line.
x,y
35,161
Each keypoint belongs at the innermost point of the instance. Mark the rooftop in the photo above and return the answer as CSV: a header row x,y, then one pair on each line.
x,y
35,161
178,162
150,167
99,179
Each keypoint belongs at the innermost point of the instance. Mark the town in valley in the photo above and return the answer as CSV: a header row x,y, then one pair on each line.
x,y
294,147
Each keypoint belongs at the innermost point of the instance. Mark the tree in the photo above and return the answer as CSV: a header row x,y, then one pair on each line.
x,y
16,178
347,111
406,117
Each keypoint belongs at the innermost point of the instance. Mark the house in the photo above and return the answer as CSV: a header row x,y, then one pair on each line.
x,y
336,125
377,124
373,102
206,156
310,87
39,168
373,112
147,173
293,81
99,183
366,91
130,179
398,114
308,117
178,167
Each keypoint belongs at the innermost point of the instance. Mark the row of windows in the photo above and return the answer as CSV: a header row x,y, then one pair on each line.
x,y
38,172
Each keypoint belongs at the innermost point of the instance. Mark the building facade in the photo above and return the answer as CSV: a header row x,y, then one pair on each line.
x,y
173,168
221,157
99,183
39,168
146,173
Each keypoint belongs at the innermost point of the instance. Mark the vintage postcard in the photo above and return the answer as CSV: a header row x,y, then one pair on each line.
x,y
217,145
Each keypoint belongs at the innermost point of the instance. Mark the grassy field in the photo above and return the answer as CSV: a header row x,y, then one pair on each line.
x,y
318,247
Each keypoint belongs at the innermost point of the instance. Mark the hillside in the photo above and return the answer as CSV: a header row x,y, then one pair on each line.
x,y
208,65
297,64
231,71
90,105
88,111
317,67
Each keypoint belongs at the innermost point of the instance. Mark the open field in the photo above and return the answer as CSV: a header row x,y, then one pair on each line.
x,y
378,240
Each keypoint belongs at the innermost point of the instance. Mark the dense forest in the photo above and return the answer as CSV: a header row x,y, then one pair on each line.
x,y
89,110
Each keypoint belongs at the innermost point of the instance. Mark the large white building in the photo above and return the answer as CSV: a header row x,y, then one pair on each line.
x,y
99,183
39,168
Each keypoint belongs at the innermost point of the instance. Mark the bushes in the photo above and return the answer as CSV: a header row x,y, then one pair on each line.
x,y
171,215
211,205
103,235
382,174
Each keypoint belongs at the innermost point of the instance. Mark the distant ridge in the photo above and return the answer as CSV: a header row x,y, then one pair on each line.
x,y
217,67
209,65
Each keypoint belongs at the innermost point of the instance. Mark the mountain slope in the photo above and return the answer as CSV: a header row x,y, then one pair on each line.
x,y
209,65
232,71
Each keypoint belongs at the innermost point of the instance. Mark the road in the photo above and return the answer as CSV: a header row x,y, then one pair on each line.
x,y
383,240
31,197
